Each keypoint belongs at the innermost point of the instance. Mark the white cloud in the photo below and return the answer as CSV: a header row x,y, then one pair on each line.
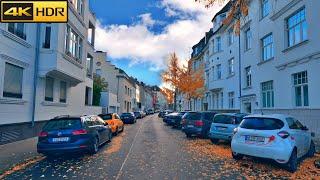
x,y
138,43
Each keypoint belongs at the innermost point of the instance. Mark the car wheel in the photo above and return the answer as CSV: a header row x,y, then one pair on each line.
x,y
122,129
95,146
312,149
237,156
214,141
117,132
188,135
110,137
292,164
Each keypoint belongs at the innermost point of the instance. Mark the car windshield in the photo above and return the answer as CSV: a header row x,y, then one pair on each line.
x,y
60,124
193,116
224,119
126,114
261,123
106,116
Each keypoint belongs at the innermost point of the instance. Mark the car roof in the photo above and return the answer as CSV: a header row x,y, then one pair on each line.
x,y
234,114
274,116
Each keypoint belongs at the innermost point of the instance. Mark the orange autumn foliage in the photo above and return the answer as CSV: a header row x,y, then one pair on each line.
x,y
168,94
172,75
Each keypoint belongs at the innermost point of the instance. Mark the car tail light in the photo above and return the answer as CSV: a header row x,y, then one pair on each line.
x,y
272,138
198,123
79,132
283,134
43,134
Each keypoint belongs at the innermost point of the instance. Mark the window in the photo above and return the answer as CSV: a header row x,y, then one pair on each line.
x,y
218,44
73,44
89,65
17,29
231,66
213,78
248,39
293,123
47,37
221,100
248,76
297,28
301,90
12,87
265,6
230,36
213,46
49,89
63,92
267,94
219,71
91,33
78,5
88,96
231,100
267,47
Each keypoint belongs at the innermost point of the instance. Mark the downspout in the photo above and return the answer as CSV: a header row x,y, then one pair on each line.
x,y
240,74
35,74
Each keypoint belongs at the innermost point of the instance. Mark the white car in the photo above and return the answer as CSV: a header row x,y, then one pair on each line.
x,y
278,137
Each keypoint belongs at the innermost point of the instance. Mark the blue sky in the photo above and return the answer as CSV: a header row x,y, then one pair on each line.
x,y
139,34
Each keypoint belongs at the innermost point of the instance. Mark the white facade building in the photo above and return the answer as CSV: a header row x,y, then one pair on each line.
x,y
46,69
280,59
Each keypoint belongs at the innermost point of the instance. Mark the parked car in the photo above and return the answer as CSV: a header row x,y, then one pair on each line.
x,y
278,137
174,119
73,134
114,121
138,115
165,112
197,123
223,126
128,118
143,114
150,111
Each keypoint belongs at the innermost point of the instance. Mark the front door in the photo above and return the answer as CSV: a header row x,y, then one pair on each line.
x,y
247,107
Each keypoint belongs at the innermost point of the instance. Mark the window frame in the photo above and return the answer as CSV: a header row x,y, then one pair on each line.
x,y
231,70
49,99
302,85
231,100
300,24
61,100
269,101
248,75
11,95
265,4
219,72
248,39
15,30
265,46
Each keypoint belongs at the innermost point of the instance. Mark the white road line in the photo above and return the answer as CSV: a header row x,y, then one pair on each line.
x,y
125,160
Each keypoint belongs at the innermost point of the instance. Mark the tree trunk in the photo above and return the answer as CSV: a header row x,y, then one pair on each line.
x,y
175,100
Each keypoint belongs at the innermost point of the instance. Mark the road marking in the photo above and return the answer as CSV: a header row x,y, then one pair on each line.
x,y
130,150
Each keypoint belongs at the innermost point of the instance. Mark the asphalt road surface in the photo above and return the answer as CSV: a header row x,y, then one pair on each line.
x,y
151,150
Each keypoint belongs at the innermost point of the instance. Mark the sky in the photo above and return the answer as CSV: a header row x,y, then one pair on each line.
x,y
138,35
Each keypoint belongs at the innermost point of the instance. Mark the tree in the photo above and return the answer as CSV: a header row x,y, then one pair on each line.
x,y
99,85
168,94
192,82
238,8
171,76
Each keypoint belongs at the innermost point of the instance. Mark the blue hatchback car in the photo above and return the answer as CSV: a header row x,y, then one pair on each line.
x,y
223,125
73,134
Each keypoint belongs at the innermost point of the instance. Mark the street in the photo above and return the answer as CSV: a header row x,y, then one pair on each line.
x,y
151,150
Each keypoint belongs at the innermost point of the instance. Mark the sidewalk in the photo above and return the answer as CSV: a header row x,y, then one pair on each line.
x,y
17,152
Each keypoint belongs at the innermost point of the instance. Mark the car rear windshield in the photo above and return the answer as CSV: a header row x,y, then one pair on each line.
x,y
261,123
106,116
193,116
126,114
224,119
61,124
208,116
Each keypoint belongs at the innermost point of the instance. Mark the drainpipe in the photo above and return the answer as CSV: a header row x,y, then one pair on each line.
x,y
240,74
35,74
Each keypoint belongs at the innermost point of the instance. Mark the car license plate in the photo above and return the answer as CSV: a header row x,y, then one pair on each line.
x,y
190,126
61,139
221,128
254,138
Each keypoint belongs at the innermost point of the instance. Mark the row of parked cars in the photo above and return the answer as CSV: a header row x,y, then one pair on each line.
x,y
85,133
276,136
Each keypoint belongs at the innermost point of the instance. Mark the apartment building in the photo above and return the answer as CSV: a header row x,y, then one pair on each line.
x,y
276,71
126,91
103,68
46,71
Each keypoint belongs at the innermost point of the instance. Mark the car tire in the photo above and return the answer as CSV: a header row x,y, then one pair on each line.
x,y
95,146
122,129
110,137
237,156
214,141
117,132
292,164
312,149
188,135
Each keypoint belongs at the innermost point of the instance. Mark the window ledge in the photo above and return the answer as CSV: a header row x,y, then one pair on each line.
x,y
12,101
46,103
16,38
295,46
231,75
247,88
72,60
266,61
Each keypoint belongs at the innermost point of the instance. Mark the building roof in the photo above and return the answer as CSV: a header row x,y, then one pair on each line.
x,y
223,10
